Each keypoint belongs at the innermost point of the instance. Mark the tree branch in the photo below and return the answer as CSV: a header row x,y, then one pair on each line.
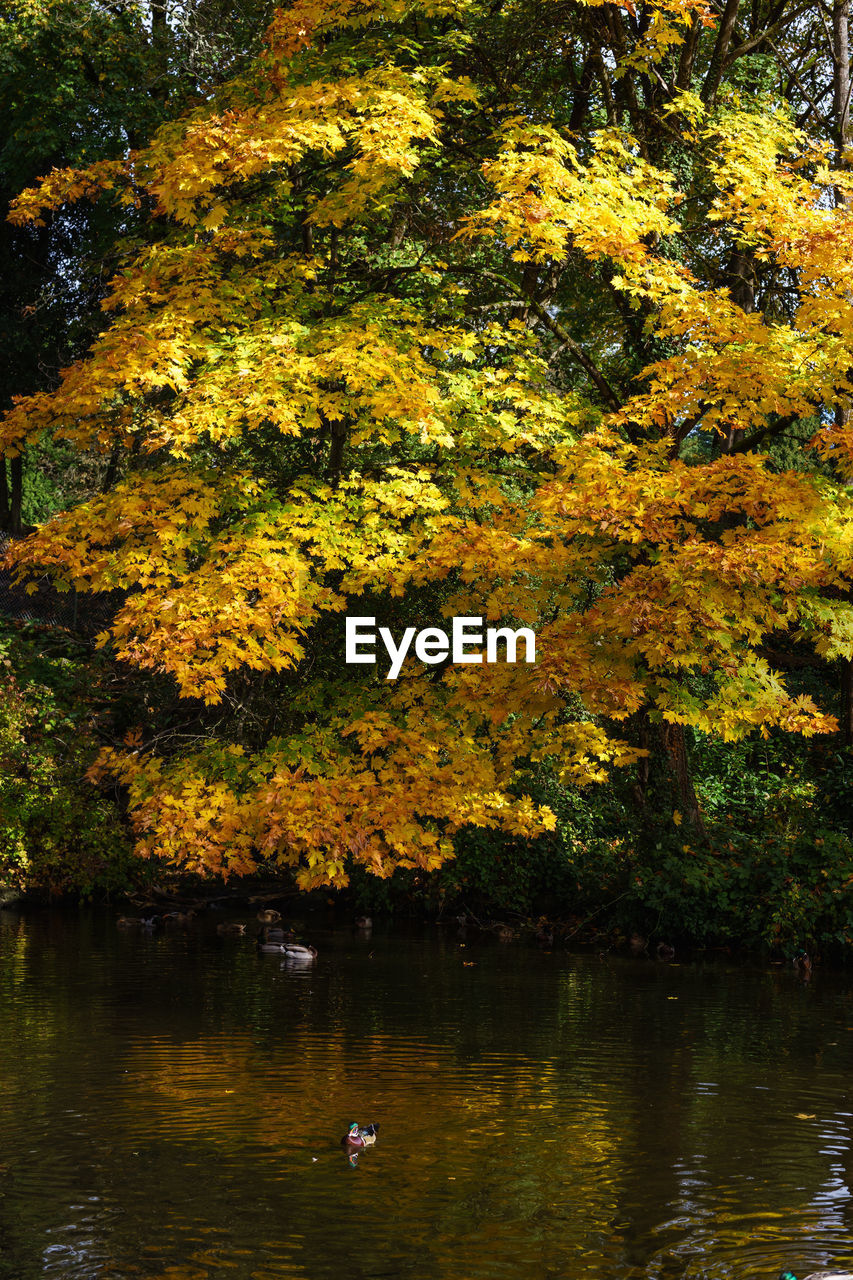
x,y
565,337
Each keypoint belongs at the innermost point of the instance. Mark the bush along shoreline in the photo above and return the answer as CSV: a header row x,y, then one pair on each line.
x,y
772,871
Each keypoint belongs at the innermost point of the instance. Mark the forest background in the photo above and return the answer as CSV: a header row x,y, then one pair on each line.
x,y
522,309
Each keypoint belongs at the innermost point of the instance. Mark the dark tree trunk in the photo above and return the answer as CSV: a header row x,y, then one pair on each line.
x,y
721,48
666,769
740,279
675,746
688,55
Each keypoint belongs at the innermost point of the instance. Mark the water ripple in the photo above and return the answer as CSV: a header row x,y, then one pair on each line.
x,y
173,1107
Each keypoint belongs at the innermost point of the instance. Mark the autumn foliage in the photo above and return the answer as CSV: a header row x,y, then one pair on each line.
x,y
407,332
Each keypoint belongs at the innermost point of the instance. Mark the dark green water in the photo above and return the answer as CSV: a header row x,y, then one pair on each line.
x,y
172,1107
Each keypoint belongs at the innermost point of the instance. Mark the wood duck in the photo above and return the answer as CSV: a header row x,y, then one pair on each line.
x,y
818,1275
358,1138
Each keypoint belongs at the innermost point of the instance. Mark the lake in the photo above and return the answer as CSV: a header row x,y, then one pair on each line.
x,y
173,1106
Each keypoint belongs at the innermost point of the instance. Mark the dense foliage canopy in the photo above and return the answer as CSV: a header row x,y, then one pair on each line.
x,y
534,312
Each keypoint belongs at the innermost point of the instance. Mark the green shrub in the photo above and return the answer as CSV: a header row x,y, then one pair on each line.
x,y
57,832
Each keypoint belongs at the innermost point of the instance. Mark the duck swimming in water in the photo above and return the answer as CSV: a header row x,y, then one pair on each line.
x,y
230,929
269,916
293,951
358,1138
277,935
138,922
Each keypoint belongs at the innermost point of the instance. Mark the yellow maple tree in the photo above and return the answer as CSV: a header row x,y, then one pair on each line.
x,y
352,371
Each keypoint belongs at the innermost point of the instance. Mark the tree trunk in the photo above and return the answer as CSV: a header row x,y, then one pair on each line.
x,y
4,496
688,55
665,772
721,48
740,278
841,74
675,746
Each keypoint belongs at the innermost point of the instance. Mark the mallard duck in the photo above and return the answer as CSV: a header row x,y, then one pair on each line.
x,y
293,951
637,944
179,917
363,922
358,1137
231,929
137,922
664,951
269,916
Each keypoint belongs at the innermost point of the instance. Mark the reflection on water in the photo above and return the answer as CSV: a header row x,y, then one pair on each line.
x,y
173,1107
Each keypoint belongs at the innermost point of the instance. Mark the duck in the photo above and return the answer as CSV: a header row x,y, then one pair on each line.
x,y
272,934
363,922
179,917
269,916
664,951
818,1275
138,922
293,951
230,929
638,944
358,1137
